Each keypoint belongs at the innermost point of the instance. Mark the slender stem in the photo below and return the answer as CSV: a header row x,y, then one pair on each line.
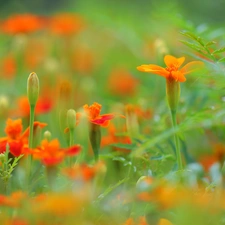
x,y
178,152
32,107
71,144
29,158
71,137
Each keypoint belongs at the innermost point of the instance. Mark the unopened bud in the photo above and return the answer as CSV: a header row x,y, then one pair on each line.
x,y
2,157
32,88
47,135
71,118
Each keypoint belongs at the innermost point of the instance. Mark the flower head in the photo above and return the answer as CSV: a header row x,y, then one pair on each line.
x,y
24,23
66,24
50,153
16,139
172,70
93,113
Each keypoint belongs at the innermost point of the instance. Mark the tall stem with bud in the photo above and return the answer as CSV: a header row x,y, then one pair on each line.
x,y
32,94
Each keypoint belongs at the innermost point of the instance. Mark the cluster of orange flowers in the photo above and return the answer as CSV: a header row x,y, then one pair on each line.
x,y
63,24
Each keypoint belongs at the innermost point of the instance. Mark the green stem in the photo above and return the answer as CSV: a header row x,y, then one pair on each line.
x,y
71,144
71,137
32,107
95,139
178,152
29,158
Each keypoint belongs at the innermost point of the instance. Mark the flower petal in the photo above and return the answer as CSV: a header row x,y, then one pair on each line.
x,y
191,66
151,68
73,150
172,61
178,76
103,120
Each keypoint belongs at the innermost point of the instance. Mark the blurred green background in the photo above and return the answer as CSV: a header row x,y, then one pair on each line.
x,y
199,11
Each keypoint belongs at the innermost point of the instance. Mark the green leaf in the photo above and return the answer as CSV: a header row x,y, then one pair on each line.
x,y
194,46
210,43
162,157
189,35
124,146
219,50
193,37
222,59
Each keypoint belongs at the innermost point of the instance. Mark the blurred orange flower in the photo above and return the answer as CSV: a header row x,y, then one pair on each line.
x,y
8,67
113,138
217,155
130,221
12,200
93,113
122,83
15,138
66,24
51,154
83,60
172,68
25,23
84,171
60,204
44,105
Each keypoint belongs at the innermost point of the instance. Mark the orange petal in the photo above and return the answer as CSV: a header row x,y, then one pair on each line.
x,y
154,69
191,66
178,76
171,61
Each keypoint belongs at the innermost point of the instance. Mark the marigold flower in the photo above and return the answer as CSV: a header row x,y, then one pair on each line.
x,y
172,69
15,138
66,24
113,138
44,105
51,154
122,83
26,23
8,67
84,171
93,113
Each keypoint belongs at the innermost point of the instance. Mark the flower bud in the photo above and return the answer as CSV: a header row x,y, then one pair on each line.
x,y
47,135
95,139
32,88
71,118
173,93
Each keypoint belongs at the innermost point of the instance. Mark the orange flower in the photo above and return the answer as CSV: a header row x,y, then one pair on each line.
x,y
51,154
84,171
26,23
172,70
93,113
44,105
113,138
9,67
122,83
83,60
14,200
142,221
66,24
15,138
